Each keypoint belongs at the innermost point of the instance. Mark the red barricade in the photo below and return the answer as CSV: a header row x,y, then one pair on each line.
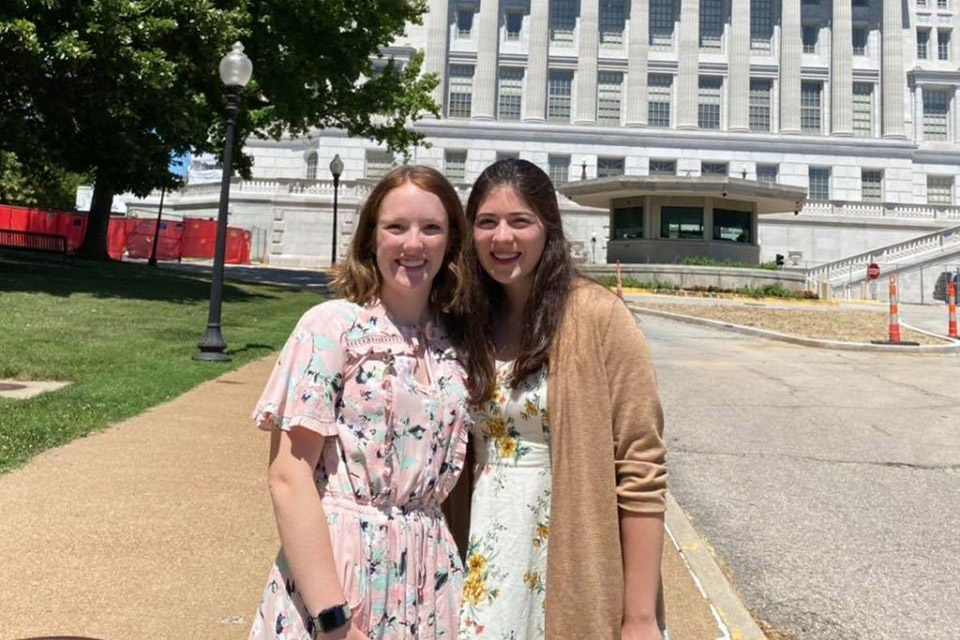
x,y
192,238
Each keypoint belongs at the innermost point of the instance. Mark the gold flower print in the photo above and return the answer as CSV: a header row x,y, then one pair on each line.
x,y
507,446
495,427
474,589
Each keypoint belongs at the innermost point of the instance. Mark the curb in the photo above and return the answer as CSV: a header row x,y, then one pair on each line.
x,y
731,614
804,342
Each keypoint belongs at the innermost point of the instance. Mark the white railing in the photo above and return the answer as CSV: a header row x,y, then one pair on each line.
x,y
856,209
891,257
356,189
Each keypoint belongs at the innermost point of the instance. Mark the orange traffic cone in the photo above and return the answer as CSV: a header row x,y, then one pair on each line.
x,y
951,310
619,281
894,311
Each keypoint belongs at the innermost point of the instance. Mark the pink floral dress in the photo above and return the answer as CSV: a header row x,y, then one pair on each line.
x,y
394,451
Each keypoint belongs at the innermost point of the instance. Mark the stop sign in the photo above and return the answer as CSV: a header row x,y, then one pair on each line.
x,y
873,271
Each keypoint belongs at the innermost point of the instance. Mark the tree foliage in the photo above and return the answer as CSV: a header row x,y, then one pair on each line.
x,y
112,88
44,186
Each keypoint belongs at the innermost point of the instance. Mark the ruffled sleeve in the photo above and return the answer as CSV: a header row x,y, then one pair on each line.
x,y
307,381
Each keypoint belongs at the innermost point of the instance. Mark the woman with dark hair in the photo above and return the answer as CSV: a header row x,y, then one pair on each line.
x,y
368,418
566,519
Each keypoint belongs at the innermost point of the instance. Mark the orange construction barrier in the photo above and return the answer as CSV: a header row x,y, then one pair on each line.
x,y
951,310
894,311
619,281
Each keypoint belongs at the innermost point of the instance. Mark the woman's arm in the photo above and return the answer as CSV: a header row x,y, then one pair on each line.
x,y
639,459
641,536
301,521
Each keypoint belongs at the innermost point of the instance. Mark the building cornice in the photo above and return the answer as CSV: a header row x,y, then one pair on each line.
x,y
650,137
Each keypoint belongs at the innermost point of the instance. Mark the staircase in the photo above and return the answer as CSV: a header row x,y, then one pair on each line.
x,y
898,258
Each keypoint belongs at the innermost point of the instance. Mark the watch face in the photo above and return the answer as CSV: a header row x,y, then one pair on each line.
x,y
333,618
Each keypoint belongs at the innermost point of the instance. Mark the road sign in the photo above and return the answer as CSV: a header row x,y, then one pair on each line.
x,y
873,271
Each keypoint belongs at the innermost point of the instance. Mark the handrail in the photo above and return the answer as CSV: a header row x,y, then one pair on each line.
x,y
851,266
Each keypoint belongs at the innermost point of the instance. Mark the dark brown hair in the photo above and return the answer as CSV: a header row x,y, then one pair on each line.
x,y
484,299
357,278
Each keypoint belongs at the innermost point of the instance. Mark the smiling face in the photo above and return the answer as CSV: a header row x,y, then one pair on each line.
x,y
412,235
509,238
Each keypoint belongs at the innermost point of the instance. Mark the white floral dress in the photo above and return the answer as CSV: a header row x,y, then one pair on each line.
x,y
504,592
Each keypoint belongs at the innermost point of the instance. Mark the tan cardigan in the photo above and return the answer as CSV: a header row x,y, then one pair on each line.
x,y
606,452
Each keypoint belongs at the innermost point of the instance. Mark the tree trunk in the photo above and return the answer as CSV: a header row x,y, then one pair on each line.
x,y
95,241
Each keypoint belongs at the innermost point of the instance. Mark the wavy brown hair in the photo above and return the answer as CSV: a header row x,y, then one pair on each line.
x,y
357,278
552,281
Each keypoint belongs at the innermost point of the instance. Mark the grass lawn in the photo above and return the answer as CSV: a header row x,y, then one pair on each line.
x,y
124,335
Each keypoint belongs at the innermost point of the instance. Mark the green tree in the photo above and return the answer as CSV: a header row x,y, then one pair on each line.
x,y
44,186
112,88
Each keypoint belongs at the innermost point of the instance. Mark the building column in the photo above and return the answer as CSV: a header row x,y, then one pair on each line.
x,y
892,75
739,77
637,50
535,87
485,76
588,34
435,56
841,69
688,66
918,114
791,57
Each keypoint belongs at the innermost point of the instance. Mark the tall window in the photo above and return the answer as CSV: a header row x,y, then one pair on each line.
x,y
859,41
760,105
464,22
663,167
767,173
513,21
681,222
711,24
935,109
923,43
862,109
460,91
628,223
939,189
658,99
508,155
613,17
312,166
943,44
563,18
558,96
608,167
708,107
810,106
455,165
943,4
811,33
663,15
761,24
377,164
510,93
871,185
559,169
609,84
819,188
714,169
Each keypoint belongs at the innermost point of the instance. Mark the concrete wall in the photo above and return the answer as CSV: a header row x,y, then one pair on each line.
x,y
687,276
671,250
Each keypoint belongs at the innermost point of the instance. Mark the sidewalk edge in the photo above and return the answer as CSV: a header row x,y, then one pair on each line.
x,y
804,342
729,610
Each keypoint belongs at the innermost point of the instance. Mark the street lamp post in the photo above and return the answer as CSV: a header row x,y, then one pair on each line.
x,y
336,170
156,232
235,71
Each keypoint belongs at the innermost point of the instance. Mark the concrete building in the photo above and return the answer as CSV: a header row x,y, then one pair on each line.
x,y
855,101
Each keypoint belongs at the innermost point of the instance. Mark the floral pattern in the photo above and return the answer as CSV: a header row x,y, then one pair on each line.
x,y
504,592
395,447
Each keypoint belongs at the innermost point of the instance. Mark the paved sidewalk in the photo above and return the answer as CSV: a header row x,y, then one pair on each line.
x,y
161,527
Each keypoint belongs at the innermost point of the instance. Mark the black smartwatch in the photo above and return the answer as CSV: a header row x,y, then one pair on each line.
x,y
332,619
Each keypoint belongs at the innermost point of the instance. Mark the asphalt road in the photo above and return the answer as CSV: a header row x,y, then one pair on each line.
x,y
828,483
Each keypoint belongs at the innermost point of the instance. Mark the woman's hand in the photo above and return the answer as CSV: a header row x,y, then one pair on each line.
x,y
646,630
349,632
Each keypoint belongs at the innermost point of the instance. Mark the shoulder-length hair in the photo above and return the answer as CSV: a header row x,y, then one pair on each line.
x,y
552,281
358,279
